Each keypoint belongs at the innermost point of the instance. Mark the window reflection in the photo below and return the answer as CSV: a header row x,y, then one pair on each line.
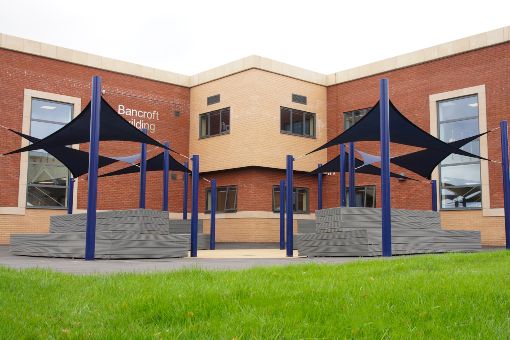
x,y
460,175
47,178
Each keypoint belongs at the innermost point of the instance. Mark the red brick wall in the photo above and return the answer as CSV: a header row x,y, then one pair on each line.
x,y
409,91
255,187
19,71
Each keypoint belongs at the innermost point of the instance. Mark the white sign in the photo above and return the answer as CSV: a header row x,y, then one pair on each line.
x,y
139,118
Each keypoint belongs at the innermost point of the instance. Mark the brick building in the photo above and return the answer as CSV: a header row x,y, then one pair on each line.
x,y
243,118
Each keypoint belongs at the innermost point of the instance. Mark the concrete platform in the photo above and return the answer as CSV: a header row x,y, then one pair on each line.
x,y
227,259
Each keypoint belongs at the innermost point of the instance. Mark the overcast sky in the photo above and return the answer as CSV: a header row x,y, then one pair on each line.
x,y
192,36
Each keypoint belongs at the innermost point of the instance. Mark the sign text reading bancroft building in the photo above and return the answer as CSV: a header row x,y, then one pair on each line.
x,y
140,119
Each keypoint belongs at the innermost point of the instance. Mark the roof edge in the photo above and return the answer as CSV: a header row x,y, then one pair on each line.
x,y
33,47
474,42
470,43
261,63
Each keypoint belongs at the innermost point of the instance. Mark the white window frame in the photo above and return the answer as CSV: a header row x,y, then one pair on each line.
x,y
23,167
482,121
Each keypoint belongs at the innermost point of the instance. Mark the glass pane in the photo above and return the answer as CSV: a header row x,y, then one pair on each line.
x,y
309,124
300,200
225,120
285,119
41,129
458,108
44,169
370,197
46,197
222,197
360,197
297,122
208,200
456,175
231,199
214,121
276,199
352,117
464,197
52,111
454,131
203,125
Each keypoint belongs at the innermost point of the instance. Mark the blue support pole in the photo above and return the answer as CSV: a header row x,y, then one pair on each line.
x,y
319,189
185,194
433,184
290,206
212,240
385,167
90,234
70,191
143,173
506,179
194,205
166,160
343,199
282,214
352,176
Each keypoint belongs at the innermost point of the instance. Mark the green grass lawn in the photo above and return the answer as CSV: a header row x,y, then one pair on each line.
x,y
438,296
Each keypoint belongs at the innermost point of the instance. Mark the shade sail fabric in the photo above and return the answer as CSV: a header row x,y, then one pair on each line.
x,y
402,131
132,159
423,162
368,158
334,166
76,161
112,128
153,164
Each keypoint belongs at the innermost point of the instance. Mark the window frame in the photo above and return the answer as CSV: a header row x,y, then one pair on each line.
x,y
208,117
214,99
225,211
29,162
352,113
299,99
305,113
372,186
441,166
276,189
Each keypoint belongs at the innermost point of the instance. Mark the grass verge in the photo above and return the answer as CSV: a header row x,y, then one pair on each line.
x,y
435,296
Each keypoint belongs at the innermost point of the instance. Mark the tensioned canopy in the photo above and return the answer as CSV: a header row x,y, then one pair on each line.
x,y
423,162
112,128
76,161
334,166
153,164
402,131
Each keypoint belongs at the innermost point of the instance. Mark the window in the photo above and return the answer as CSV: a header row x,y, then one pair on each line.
x,y
365,196
299,200
352,117
215,123
297,122
213,99
226,199
460,175
296,98
47,177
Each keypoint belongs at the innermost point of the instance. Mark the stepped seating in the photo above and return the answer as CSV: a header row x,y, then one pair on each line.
x,y
357,232
184,227
303,227
126,234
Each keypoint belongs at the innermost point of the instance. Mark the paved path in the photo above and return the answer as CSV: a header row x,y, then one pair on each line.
x,y
221,259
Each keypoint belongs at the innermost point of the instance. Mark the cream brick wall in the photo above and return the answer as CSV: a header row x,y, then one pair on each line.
x,y
254,97
247,229
33,221
492,229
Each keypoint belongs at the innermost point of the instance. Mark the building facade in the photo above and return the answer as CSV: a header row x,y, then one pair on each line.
x,y
243,118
